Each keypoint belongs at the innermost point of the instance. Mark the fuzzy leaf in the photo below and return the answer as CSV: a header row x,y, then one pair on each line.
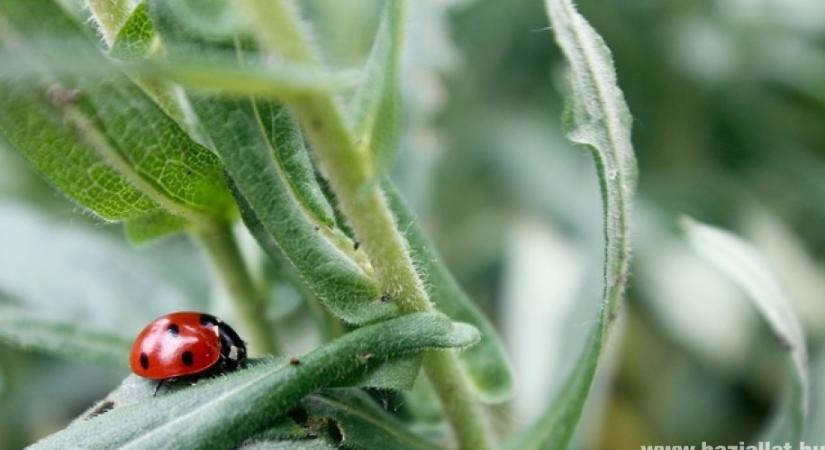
x,y
486,364
745,267
598,118
222,412
273,211
136,37
89,140
376,108
363,424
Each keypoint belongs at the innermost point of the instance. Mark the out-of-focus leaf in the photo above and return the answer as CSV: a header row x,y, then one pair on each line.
x,y
598,118
223,411
486,364
221,73
744,266
31,332
65,273
90,141
152,226
376,107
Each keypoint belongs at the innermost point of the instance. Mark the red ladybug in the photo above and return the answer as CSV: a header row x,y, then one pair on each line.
x,y
186,345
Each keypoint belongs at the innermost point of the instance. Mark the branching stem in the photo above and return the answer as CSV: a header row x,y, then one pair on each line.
x,y
279,28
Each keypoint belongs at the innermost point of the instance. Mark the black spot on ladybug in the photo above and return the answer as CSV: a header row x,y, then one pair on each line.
x,y
187,358
101,408
294,362
173,329
144,361
208,319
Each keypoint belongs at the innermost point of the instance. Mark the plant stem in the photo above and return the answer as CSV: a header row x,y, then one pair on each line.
x,y
365,205
225,256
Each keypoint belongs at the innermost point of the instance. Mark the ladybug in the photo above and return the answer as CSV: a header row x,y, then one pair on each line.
x,y
186,344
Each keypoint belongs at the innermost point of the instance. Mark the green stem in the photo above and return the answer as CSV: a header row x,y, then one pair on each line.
x,y
364,203
222,248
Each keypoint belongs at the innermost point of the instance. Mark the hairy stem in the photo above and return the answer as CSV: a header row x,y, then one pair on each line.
x,y
364,203
222,248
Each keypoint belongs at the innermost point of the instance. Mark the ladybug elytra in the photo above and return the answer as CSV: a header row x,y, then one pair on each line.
x,y
186,344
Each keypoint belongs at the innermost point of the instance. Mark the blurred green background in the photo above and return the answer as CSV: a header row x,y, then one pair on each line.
x,y
728,99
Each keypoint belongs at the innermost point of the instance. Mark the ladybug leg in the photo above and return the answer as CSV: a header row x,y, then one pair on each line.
x,y
161,383
157,387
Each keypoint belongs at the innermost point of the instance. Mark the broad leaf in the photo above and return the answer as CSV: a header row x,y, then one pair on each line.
x,y
745,267
222,412
598,118
136,40
89,140
376,108
486,363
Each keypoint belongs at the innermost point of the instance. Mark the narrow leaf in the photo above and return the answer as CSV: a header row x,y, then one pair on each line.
x,y
222,412
363,424
301,444
745,267
598,118
39,333
486,363
58,300
273,212
376,107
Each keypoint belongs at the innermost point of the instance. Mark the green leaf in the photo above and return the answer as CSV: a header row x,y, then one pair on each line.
x,y
303,444
399,375
90,140
274,213
362,423
152,226
137,40
81,297
376,107
136,37
35,332
745,267
486,364
598,118
222,412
